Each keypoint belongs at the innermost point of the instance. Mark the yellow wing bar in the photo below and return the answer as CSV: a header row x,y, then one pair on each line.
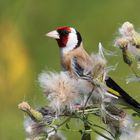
x,y
110,90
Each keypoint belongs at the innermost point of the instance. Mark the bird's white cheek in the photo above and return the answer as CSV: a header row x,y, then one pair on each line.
x,y
72,40
71,44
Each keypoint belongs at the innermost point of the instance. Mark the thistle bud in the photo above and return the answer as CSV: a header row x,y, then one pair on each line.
x,y
127,29
121,42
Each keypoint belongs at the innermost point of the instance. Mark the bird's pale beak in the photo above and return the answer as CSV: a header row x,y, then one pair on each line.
x,y
54,34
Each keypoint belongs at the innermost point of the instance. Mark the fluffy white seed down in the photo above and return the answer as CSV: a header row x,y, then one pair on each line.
x,y
127,131
132,135
60,90
32,128
127,29
55,136
98,64
129,37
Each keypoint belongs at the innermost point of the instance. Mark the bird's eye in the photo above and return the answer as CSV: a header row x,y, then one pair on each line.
x,y
63,32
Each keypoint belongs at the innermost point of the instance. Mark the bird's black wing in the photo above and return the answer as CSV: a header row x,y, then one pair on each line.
x,y
126,97
79,70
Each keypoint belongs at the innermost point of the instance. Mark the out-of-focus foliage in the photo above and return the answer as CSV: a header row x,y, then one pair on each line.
x,y
25,51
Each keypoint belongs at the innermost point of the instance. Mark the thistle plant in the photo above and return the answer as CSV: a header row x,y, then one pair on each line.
x,y
85,97
129,42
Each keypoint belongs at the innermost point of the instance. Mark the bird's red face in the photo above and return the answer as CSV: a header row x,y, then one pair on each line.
x,y
66,36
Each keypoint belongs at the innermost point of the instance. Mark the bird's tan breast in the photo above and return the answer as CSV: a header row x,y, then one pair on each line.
x,y
81,55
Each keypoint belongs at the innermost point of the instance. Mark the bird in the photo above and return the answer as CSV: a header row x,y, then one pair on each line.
x,y
70,42
71,48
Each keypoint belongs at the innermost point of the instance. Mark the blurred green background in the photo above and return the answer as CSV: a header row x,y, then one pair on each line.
x,y
25,50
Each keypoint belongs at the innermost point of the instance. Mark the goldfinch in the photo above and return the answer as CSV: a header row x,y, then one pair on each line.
x,y
70,43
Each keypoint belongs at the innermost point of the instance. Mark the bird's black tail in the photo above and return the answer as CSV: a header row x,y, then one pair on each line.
x,y
126,97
